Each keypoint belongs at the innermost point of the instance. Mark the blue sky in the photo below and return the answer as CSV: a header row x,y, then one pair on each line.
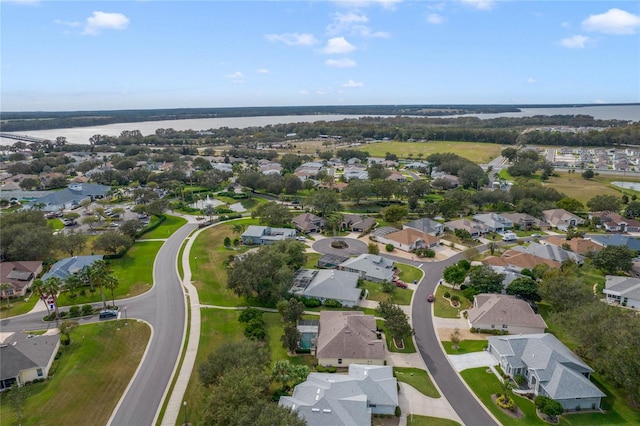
x,y
81,55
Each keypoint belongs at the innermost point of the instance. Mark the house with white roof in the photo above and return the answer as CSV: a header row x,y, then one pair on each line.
x,y
622,290
494,222
370,267
261,235
325,284
345,399
549,367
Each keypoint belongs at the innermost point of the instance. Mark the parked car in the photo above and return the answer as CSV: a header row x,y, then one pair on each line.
x,y
401,284
108,313
536,235
430,298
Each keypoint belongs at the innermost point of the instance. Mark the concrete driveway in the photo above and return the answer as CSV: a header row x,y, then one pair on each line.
x,y
472,360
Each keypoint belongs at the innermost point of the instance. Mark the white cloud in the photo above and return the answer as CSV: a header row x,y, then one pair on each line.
x,y
364,31
531,80
292,39
479,4
614,21
105,21
357,4
353,84
68,23
236,77
565,24
574,42
338,45
436,6
340,63
303,92
353,23
434,18
321,92
262,71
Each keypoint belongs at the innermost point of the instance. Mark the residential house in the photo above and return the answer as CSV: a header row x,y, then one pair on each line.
x,y
70,265
325,284
562,219
494,222
355,172
357,223
505,313
19,275
71,196
575,244
349,337
617,240
475,229
330,261
518,260
370,267
260,235
613,222
549,367
345,400
308,222
451,180
417,165
622,290
426,225
271,169
551,252
397,176
26,357
409,240
525,221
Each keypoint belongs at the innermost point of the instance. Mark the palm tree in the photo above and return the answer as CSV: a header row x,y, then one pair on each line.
x,y
72,283
493,246
52,287
39,288
4,289
111,283
97,274
238,228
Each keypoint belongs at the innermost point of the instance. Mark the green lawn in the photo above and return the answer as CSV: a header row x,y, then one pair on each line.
x,y
417,378
134,271
166,228
465,346
18,306
409,273
409,347
312,260
55,224
443,309
90,377
400,296
477,152
415,420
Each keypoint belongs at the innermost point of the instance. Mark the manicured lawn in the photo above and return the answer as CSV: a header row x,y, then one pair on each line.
x,y
134,271
278,352
400,296
91,376
409,347
415,420
417,378
476,152
312,260
409,273
166,228
18,306
464,347
55,224
442,307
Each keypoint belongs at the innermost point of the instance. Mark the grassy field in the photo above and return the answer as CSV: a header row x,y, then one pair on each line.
x,y
415,420
477,152
18,306
417,378
409,273
575,186
464,347
399,296
91,375
166,228
312,260
442,307
134,271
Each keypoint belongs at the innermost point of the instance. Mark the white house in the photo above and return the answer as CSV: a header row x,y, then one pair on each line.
x,y
622,290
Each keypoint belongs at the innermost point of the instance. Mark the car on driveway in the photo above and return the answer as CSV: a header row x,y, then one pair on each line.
x,y
401,284
430,298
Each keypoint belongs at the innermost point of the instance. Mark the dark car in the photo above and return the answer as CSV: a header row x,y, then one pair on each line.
x,y
108,313
430,298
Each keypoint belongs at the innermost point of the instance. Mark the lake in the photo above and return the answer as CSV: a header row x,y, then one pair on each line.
x,y
81,135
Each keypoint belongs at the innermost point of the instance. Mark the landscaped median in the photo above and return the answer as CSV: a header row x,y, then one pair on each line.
x,y
89,377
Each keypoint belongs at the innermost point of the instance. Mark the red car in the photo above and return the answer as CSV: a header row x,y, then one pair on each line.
x,y
430,298
401,284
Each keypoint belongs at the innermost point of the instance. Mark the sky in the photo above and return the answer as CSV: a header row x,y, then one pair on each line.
x,y
83,55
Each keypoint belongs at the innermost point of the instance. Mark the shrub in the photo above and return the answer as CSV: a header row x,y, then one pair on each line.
x,y
505,402
455,298
398,412
464,287
389,247
311,302
447,294
74,311
548,406
327,369
429,253
87,310
331,303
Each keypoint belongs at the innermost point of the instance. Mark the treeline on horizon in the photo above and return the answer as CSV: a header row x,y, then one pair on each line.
x,y
42,120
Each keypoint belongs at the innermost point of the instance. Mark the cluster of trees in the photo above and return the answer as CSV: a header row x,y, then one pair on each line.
x,y
273,183
606,336
237,381
267,274
25,235
396,321
469,173
291,312
526,162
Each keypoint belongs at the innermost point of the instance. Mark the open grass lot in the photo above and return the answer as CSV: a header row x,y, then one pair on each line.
x,y
18,306
312,260
477,152
575,186
92,374
417,378
400,296
464,347
409,273
166,228
442,307
134,271
414,420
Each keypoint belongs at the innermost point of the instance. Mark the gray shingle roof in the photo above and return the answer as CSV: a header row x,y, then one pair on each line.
x,y
623,286
327,284
348,334
20,352
69,266
373,266
501,309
